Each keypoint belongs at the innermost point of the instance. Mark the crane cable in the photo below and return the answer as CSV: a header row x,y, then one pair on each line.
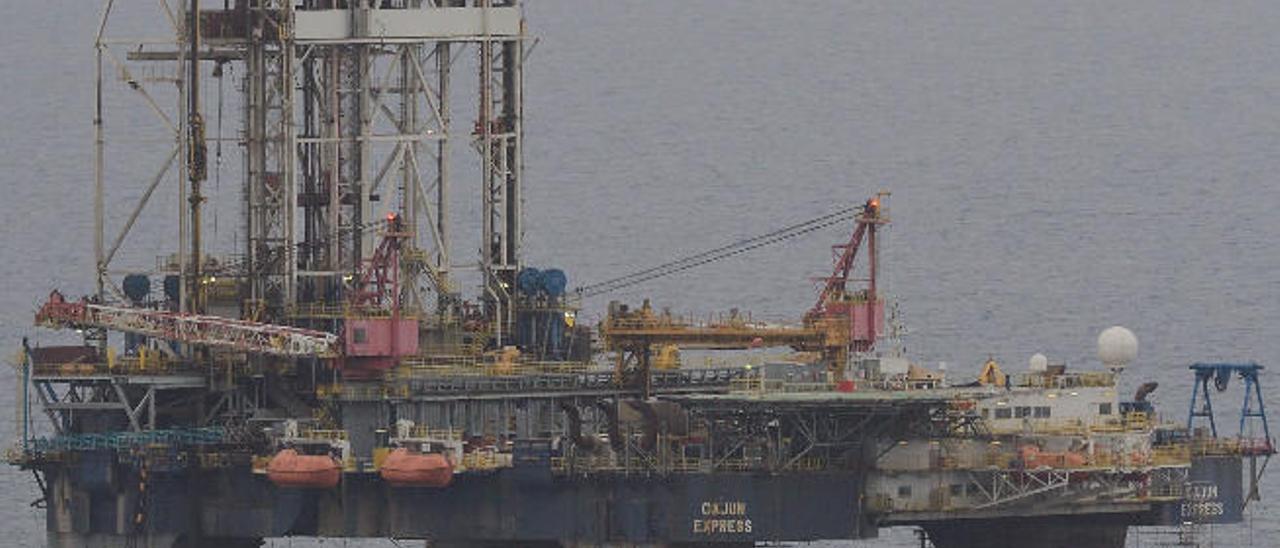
x,y
722,252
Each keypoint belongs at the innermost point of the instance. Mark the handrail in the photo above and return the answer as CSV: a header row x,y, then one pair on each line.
x,y
1084,379
345,310
118,366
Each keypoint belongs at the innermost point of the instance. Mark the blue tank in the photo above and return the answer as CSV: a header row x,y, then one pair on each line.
x,y
554,281
137,287
529,281
172,285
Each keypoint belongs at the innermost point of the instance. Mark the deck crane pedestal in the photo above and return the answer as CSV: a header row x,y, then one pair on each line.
x,y
376,333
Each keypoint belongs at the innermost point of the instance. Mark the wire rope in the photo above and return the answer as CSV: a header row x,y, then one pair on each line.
x,y
723,252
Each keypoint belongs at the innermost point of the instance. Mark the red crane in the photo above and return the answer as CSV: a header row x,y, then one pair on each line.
x,y
862,310
375,334
379,283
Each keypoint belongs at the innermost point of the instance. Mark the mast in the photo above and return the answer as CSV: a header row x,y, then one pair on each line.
x,y
196,156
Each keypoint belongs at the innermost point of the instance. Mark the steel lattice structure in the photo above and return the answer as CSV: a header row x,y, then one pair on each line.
x,y
346,111
213,331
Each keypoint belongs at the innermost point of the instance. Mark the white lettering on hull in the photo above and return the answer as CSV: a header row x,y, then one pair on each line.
x,y
722,518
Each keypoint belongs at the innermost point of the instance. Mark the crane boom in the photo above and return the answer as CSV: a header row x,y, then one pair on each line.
x,y
719,253
212,331
861,312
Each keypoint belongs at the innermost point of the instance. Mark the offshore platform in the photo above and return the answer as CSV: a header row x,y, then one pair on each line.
x,y
325,374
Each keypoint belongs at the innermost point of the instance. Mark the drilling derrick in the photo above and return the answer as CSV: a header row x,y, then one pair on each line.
x,y
346,116
345,119
258,28
498,135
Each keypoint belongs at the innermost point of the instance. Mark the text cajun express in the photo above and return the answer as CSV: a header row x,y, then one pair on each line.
x,y
722,518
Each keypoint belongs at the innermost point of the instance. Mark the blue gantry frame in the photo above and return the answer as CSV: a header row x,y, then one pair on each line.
x,y
1220,374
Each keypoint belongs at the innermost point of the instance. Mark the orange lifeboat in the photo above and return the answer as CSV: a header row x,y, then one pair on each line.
x,y
291,469
402,468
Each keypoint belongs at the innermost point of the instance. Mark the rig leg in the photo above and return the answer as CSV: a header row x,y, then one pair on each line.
x,y
513,544
219,543
71,540
658,545
77,540
520,544
1074,532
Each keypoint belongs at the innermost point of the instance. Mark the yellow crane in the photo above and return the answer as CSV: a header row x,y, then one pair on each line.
x,y
634,335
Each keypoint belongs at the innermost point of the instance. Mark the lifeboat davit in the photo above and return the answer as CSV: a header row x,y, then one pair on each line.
x,y
291,469
402,468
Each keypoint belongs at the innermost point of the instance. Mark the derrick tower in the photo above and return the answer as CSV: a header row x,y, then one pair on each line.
x,y
346,114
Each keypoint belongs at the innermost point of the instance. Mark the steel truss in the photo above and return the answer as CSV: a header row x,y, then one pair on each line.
x,y
346,117
741,434
67,400
1002,487
212,331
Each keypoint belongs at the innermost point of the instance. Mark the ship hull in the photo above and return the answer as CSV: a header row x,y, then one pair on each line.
x,y
92,504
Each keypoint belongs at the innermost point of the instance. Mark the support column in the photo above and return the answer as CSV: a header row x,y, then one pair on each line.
x,y
1084,531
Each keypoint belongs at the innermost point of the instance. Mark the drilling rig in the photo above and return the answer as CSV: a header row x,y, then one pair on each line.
x,y
321,371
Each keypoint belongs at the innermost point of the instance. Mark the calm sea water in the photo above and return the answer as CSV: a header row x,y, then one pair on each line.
x,y
1056,168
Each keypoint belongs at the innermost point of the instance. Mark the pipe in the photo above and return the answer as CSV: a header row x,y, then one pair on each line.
x,y
610,411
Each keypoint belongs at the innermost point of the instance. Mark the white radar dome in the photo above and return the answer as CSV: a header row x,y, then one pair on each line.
x,y
1039,363
1117,347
